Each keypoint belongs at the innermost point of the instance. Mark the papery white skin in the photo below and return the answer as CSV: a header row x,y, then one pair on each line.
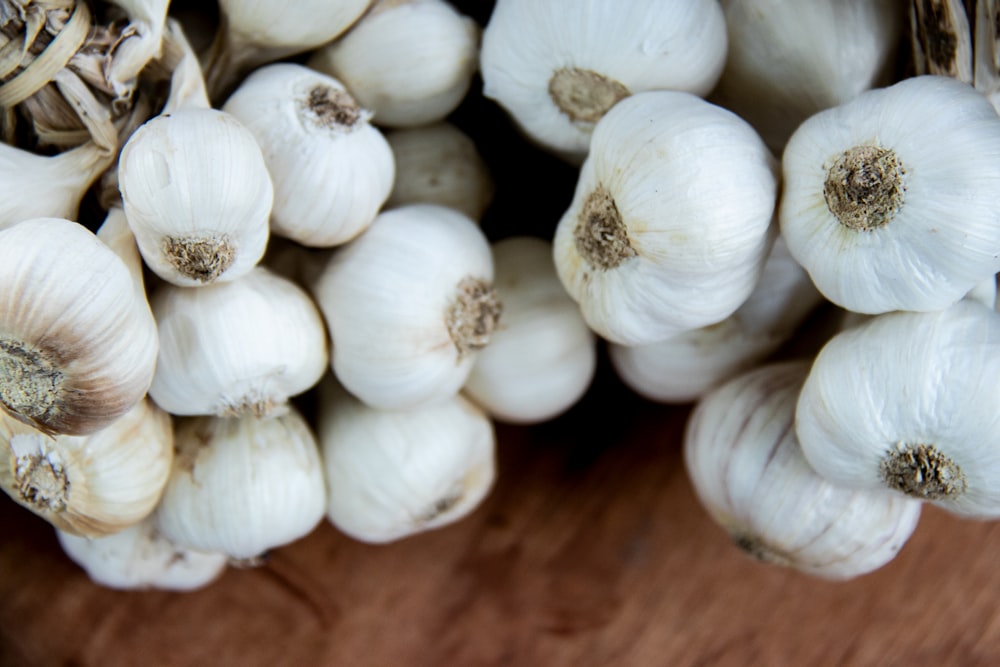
x,y
37,186
641,44
695,188
147,22
330,178
115,233
410,61
385,297
138,557
985,292
788,60
196,173
542,358
89,485
943,239
909,379
683,367
240,347
439,164
393,474
242,486
71,302
749,473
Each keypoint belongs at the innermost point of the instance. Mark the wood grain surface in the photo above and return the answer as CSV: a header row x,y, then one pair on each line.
x,y
591,550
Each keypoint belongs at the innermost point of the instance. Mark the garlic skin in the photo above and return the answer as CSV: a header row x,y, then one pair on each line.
x,y
671,221
750,475
331,169
910,402
410,61
89,485
141,44
393,474
408,304
683,367
197,195
78,343
242,486
439,164
788,60
558,66
889,201
139,558
542,358
235,348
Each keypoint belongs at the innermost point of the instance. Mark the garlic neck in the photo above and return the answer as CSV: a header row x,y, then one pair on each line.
x,y
473,315
923,472
40,473
584,95
30,382
203,259
864,188
600,234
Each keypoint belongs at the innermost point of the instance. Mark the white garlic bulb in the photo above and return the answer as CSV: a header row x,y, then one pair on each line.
x,y
910,402
751,477
671,221
242,486
683,367
37,186
393,474
439,164
77,340
410,61
331,169
788,60
558,66
542,357
138,557
89,485
241,347
889,201
408,304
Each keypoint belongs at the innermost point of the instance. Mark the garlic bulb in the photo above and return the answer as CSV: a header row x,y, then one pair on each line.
x,y
439,164
910,402
889,201
138,557
750,475
671,221
236,348
410,61
255,32
683,367
542,358
77,341
242,486
788,60
36,186
90,485
408,303
558,66
331,169
392,474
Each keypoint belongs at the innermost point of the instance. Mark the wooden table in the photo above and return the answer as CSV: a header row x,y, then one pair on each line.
x,y
591,550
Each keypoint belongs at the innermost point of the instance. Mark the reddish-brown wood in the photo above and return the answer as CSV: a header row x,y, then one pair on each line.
x,y
591,550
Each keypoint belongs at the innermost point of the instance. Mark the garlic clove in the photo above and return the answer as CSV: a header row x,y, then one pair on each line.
x,y
557,68
408,304
542,357
89,485
410,61
77,341
393,474
242,486
138,557
910,402
331,169
889,200
235,348
751,476
671,221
